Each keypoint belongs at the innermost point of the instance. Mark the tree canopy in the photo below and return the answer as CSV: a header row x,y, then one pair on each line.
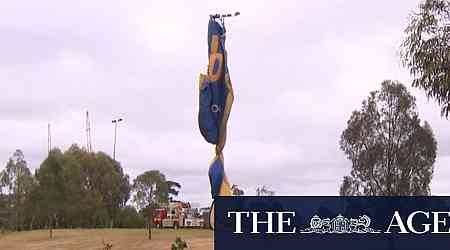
x,y
77,188
152,188
236,190
391,151
264,191
17,182
425,51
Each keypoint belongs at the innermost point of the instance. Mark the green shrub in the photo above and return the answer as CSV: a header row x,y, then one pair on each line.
x,y
179,244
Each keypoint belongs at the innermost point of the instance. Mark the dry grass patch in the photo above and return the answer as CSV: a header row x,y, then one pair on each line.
x,y
120,239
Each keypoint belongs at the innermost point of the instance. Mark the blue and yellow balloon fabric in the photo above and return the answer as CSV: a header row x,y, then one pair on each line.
x,y
216,99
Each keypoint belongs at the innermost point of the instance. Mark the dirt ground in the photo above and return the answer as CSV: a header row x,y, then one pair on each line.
x,y
121,239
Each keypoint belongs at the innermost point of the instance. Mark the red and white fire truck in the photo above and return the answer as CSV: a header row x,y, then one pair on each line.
x,y
177,214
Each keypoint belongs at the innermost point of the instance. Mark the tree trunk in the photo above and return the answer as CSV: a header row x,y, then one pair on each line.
x,y
16,222
56,220
31,223
150,224
50,226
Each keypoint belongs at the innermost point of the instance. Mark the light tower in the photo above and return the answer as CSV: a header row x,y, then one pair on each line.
x,y
115,121
49,139
88,134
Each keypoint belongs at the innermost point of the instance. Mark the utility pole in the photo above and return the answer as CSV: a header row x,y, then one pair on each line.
x,y
88,134
115,121
49,139
49,148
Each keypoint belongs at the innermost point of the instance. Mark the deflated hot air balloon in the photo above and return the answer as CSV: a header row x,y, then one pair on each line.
x,y
216,99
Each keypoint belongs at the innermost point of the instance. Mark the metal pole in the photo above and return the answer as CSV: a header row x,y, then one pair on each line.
x,y
115,139
49,145
116,121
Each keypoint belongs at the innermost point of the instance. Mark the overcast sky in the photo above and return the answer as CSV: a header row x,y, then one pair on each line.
x,y
298,68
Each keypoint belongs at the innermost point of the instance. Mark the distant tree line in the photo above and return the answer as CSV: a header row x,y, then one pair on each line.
x,y
77,189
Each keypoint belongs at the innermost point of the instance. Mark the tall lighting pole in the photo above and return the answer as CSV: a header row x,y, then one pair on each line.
x,y
115,121
49,139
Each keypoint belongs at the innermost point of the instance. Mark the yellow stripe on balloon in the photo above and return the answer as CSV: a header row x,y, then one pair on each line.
x,y
226,114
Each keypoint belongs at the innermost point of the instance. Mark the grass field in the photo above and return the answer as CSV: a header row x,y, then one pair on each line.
x,y
121,239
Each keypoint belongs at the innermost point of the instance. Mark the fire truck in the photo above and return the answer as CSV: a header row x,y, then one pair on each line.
x,y
193,218
177,214
169,215
158,215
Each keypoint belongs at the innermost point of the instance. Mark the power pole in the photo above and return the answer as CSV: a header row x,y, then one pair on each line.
x,y
88,134
115,121
49,139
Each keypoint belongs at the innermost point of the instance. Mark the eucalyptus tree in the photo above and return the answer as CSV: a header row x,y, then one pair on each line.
x,y
392,152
